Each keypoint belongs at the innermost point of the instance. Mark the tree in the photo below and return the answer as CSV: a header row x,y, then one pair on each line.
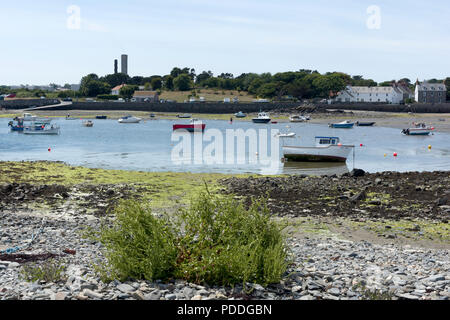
x,y
183,82
168,82
115,79
156,83
329,84
128,91
91,86
447,84
205,75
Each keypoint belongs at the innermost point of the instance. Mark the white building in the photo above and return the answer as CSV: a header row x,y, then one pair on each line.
x,y
116,90
393,94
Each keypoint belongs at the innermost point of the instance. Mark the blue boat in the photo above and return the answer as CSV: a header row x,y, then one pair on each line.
x,y
342,125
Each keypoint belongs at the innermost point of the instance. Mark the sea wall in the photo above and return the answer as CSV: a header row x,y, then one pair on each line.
x,y
27,103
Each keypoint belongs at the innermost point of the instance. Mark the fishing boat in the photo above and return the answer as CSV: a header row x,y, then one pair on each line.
x,y
365,124
88,123
45,129
327,149
101,117
262,118
129,119
342,125
195,125
419,129
240,114
184,116
297,118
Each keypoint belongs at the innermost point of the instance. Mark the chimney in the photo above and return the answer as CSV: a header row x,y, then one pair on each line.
x,y
116,67
125,64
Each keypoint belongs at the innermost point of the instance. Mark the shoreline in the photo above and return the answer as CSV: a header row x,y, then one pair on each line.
x,y
391,242
382,119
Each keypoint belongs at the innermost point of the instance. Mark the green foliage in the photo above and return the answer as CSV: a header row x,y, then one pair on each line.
x,y
48,271
183,82
107,97
225,243
138,245
219,242
128,91
156,83
91,86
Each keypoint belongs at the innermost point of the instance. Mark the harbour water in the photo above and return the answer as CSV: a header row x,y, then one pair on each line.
x,y
149,145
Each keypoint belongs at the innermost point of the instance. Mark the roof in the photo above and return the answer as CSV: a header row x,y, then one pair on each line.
x,y
371,89
118,87
142,94
426,86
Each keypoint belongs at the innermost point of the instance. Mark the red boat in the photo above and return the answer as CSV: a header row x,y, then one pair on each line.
x,y
194,126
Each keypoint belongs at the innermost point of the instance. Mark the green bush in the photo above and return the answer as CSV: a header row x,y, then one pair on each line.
x,y
48,271
218,241
137,245
107,97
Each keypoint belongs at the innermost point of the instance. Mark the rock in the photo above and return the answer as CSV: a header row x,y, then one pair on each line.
x,y
91,294
307,297
296,289
153,296
359,197
407,296
125,288
334,291
436,278
188,293
357,173
203,292
60,296
197,297
89,286
138,295
170,296
13,265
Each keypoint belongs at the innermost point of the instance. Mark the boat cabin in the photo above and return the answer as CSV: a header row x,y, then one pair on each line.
x,y
326,141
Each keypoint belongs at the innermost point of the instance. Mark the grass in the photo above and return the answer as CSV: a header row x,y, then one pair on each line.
x,y
49,271
216,241
208,94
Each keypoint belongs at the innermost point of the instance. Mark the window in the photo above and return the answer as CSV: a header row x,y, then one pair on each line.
x,y
324,141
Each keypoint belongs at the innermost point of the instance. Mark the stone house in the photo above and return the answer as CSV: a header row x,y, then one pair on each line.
x,y
430,92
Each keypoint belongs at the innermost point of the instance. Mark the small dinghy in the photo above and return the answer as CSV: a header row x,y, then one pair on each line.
x,y
129,119
327,149
342,125
195,125
419,129
88,123
365,124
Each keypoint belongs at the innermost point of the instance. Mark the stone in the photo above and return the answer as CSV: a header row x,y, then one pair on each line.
x,y
170,296
92,294
60,296
153,296
197,297
436,278
125,288
138,295
334,291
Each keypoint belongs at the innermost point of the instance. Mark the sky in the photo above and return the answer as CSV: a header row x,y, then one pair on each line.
x,y
45,42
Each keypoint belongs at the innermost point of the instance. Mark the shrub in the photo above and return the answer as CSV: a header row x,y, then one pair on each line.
x,y
137,245
224,243
219,242
48,271
107,97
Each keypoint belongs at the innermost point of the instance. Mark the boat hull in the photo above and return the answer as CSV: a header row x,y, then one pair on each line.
x,y
190,127
416,132
365,124
342,126
256,120
317,154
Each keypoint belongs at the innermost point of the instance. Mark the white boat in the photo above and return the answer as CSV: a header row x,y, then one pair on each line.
x,y
46,130
285,135
297,118
262,118
419,129
88,123
327,149
129,119
29,117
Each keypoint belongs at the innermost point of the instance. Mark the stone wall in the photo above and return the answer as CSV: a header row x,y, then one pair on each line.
x,y
27,103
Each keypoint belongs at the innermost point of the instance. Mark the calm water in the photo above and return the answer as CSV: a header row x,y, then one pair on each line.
x,y
147,146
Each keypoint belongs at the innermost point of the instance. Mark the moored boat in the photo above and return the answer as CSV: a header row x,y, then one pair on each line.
x,y
101,117
195,125
88,123
184,116
29,117
364,124
342,125
419,129
297,118
45,129
240,114
129,119
262,118
327,149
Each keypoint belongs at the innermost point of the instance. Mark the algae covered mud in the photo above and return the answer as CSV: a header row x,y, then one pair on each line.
x,y
354,236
